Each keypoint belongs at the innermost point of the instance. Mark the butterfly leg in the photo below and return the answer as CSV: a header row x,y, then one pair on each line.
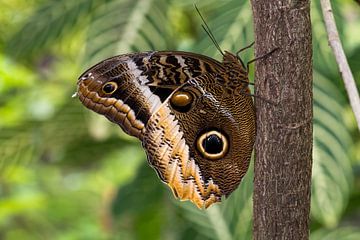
x,y
243,91
242,49
261,57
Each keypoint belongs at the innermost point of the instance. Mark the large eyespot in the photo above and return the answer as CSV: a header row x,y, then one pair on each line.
x,y
109,87
181,101
212,145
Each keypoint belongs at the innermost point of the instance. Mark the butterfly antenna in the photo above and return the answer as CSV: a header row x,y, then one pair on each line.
x,y
208,31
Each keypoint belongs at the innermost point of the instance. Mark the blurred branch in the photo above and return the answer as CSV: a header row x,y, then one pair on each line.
x,y
345,71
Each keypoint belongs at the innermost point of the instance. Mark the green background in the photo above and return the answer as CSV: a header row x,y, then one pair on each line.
x,y
68,173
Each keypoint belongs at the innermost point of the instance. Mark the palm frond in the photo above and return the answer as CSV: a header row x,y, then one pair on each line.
x,y
48,24
332,174
123,26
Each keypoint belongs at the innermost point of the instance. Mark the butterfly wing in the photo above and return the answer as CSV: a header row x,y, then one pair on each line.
x,y
144,94
138,78
175,139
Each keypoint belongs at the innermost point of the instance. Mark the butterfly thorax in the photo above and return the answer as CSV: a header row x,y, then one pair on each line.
x,y
237,81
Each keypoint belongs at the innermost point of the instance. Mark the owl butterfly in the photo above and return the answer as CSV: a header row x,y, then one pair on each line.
x,y
193,114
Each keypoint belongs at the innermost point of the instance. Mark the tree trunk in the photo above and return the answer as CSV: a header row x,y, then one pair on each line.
x,y
284,119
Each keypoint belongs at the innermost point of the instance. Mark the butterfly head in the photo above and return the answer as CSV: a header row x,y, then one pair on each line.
x,y
232,61
230,57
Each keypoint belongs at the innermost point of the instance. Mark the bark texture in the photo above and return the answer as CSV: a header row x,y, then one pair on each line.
x,y
284,127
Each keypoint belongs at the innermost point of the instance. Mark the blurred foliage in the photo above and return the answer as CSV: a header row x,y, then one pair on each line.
x,y
66,173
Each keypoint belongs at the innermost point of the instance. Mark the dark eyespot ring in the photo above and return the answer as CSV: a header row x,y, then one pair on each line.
x,y
181,101
109,87
212,145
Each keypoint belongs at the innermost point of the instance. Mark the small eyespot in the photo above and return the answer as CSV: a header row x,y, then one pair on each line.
x,y
212,145
109,87
181,101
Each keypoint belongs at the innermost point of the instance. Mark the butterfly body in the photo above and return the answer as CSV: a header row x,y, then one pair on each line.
x,y
193,114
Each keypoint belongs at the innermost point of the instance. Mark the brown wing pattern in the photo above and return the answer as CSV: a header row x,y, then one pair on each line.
x,y
189,111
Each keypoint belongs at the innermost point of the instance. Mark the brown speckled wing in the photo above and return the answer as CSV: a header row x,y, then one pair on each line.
x,y
190,112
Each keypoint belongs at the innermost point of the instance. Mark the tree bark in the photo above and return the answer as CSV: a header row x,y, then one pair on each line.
x,y
283,147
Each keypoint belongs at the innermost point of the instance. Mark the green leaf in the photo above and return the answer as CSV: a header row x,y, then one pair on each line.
x,y
50,22
145,191
140,28
332,175
343,233
141,203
